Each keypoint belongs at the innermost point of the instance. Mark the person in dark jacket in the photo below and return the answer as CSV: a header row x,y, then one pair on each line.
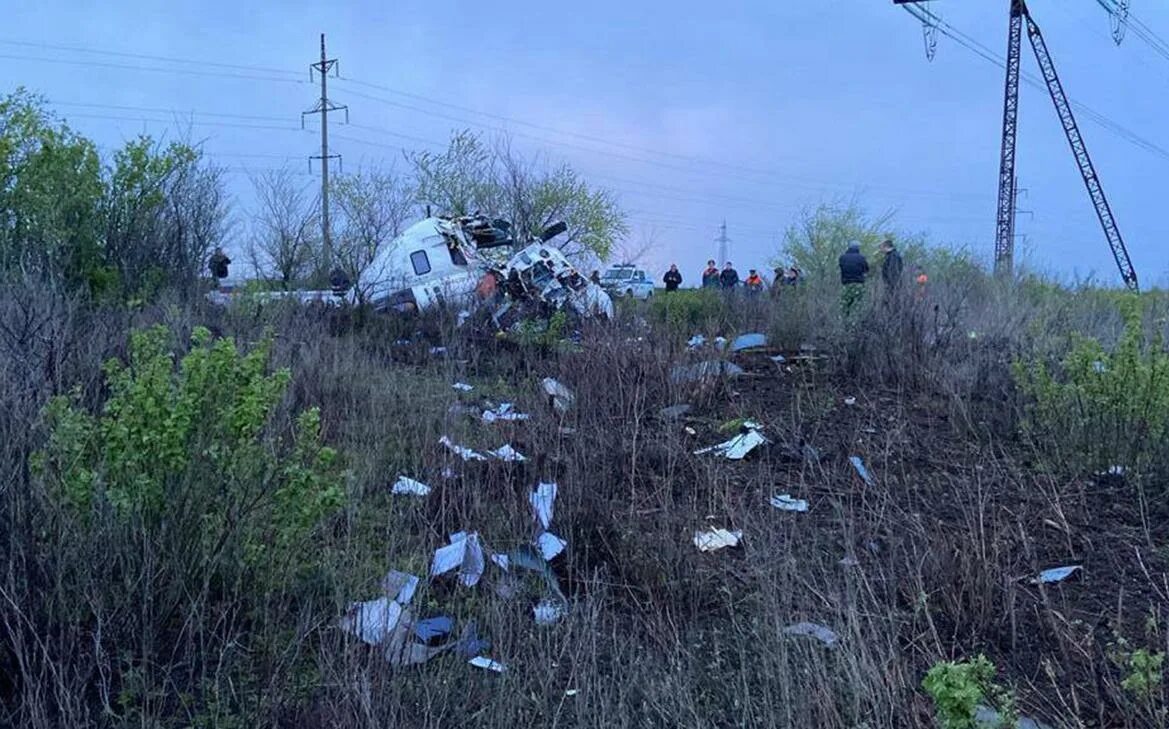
x,y
710,276
219,263
853,268
729,278
673,278
892,266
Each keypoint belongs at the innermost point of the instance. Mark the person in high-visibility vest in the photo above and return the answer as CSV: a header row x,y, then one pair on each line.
x,y
921,280
754,283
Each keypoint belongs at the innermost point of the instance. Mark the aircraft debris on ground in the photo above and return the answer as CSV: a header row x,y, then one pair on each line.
x,y
715,539
1056,574
785,502
410,486
821,633
750,437
448,261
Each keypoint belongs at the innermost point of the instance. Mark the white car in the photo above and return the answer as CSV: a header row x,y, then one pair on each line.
x,y
627,281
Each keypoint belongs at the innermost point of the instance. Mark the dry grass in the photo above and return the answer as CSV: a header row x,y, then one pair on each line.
x,y
658,634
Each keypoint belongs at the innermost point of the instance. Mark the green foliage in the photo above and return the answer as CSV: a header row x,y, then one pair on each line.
x,y
688,311
1144,674
198,432
540,334
959,687
1100,407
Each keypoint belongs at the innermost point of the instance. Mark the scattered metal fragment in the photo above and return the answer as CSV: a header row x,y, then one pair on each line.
x,y
410,486
849,561
987,718
850,401
505,411
714,539
753,340
699,371
1099,367
548,612
431,628
1056,574
550,545
673,412
462,386
778,359
861,471
696,341
785,502
738,447
720,343
464,553
508,454
562,398
821,633
400,586
372,621
467,454
543,501
438,350
487,664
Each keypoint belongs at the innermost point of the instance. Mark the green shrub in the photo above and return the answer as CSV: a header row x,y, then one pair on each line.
x,y
1098,407
685,312
959,687
1144,674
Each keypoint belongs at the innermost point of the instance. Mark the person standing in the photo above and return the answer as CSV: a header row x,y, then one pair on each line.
x,y
673,278
892,266
754,283
729,278
921,280
595,277
219,263
853,269
710,276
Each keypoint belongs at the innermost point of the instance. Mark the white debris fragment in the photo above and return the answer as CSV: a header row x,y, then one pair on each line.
x,y
861,471
543,500
785,502
438,350
462,386
449,473
1099,367
464,553
487,664
467,454
778,359
749,341
550,545
700,371
570,692
508,454
1056,574
375,621
548,611
410,486
720,343
738,447
502,561
709,541
849,561
824,634
565,430
850,401
561,396
696,341
505,411
372,621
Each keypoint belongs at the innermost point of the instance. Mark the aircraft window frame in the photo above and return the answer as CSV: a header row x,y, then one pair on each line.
x,y
414,260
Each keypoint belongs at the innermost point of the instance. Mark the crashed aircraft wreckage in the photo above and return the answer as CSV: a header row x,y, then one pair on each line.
x,y
441,261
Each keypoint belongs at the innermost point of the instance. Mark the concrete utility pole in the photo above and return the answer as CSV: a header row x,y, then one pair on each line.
x,y
722,240
323,107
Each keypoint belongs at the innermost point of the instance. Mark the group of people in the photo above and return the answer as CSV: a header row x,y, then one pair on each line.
x,y
728,278
854,269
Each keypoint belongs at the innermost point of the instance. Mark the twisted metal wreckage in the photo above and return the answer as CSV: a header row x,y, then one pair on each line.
x,y
461,263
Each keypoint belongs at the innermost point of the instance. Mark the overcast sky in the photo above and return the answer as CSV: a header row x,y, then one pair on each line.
x,y
690,112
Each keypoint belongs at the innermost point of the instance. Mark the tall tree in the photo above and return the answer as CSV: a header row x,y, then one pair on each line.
x,y
284,232
372,208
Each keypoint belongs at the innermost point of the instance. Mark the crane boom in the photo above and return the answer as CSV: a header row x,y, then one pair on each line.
x,y
1080,151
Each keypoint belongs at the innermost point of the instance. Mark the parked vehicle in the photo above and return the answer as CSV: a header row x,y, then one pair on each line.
x,y
625,279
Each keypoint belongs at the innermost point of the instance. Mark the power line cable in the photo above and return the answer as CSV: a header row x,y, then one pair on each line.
x,y
143,56
155,69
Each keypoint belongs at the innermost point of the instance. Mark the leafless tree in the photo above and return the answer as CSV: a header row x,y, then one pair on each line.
x,y
372,208
284,233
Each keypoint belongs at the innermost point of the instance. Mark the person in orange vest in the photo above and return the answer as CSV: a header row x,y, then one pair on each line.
x,y
921,280
754,283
